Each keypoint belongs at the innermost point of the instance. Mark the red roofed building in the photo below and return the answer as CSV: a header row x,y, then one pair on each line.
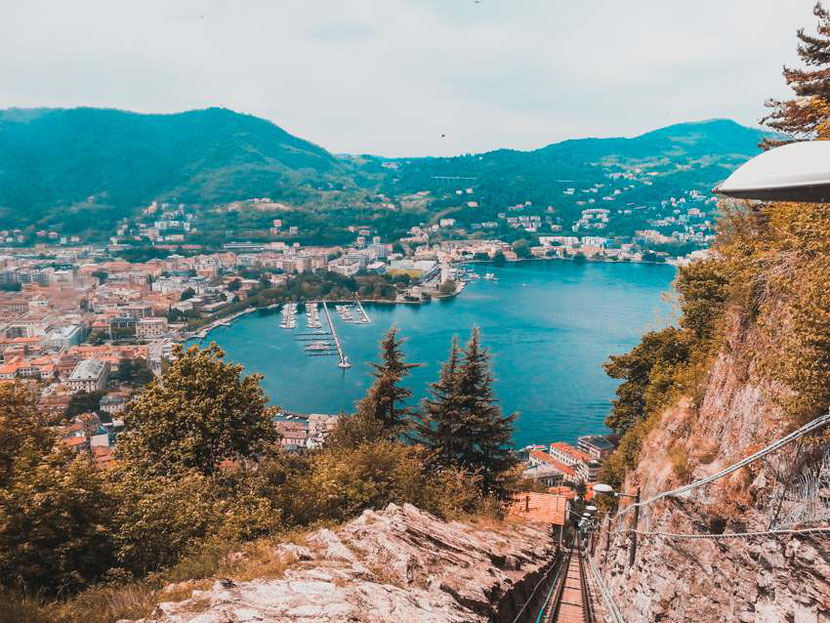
x,y
566,453
103,457
78,444
553,470
583,463
539,508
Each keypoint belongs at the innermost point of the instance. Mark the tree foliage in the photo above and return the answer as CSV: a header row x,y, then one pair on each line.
x,y
200,414
198,465
806,116
133,372
439,424
83,402
53,511
462,424
383,413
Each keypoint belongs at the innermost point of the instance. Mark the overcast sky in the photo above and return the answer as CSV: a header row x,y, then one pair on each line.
x,y
391,77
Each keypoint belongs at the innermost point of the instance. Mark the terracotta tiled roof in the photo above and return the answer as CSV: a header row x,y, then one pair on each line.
x,y
568,449
566,492
103,456
74,442
548,459
539,507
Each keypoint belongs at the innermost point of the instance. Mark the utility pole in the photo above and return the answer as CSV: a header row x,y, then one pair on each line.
x,y
633,554
607,535
594,539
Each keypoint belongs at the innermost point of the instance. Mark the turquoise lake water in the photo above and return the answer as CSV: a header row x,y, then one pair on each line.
x,y
548,325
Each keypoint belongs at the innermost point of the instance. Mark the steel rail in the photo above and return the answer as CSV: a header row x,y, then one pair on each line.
x,y
546,576
587,604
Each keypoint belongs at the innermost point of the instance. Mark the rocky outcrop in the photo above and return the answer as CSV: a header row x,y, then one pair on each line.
x,y
756,579
399,564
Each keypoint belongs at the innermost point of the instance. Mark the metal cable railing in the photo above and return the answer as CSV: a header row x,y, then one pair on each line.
x,y
796,434
823,530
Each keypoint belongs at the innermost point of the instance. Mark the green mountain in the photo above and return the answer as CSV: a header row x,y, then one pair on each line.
x,y
69,167
81,170
660,164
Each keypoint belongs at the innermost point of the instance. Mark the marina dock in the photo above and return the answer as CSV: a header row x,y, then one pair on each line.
x,y
364,317
344,361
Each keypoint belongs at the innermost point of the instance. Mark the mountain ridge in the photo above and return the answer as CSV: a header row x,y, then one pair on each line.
x,y
84,169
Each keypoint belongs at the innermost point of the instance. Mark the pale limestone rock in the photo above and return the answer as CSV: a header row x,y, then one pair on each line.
x,y
748,580
400,564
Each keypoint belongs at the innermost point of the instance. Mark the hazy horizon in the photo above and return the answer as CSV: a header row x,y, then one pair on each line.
x,y
405,78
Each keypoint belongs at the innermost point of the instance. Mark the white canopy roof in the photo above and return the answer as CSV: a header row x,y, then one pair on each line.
x,y
792,172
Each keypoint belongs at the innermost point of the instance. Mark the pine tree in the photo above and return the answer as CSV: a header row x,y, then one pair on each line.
x,y
439,426
381,414
386,398
485,433
807,116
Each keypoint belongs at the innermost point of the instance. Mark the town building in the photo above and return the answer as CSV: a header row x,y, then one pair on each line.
x,y
595,446
89,375
554,472
151,328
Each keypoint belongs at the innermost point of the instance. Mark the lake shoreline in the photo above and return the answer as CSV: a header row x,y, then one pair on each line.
x,y
549,327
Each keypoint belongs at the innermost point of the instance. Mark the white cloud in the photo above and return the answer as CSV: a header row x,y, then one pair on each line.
x,y
392,76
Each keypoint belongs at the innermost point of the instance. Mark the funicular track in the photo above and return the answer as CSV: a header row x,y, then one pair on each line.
x,y
570,597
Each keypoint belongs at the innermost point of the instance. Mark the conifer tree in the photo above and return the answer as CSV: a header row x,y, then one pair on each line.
x,y
807,116
487,434
440,425
386,398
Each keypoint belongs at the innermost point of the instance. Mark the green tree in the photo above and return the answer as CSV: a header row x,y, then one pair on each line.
x,y
160,517
648,376
234,285
485,433
200,413
53,511
522,249
133,371
386,399
23,429
439,426
83,402
807,116
188,293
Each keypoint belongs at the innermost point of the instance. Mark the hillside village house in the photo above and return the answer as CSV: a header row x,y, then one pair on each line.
x,y
549,470
545,508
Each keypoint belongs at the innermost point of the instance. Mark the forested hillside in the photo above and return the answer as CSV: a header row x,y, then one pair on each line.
x,y
81,170
646,169
65,167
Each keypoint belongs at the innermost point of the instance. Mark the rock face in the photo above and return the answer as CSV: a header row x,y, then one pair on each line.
x,y
759,579
400,564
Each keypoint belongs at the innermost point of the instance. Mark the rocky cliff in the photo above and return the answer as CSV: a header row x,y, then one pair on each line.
x,y
399,564
759,579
